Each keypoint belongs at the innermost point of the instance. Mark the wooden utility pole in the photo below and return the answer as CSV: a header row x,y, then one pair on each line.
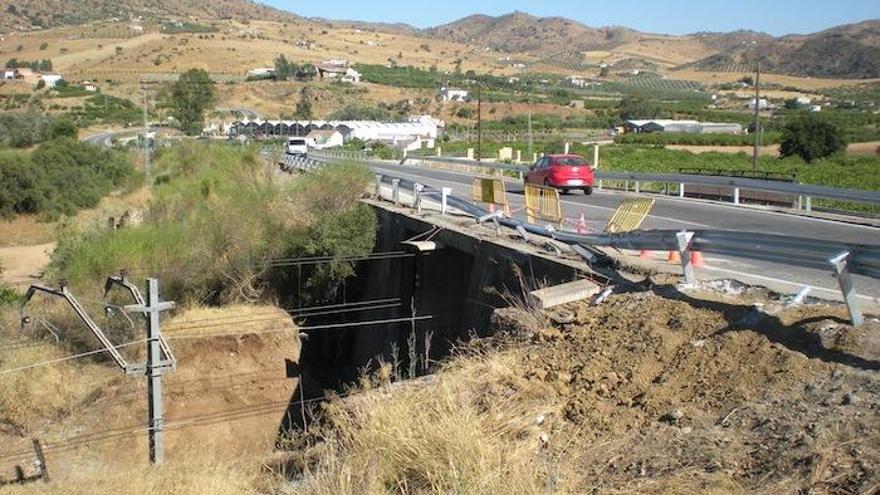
x,y
479,123
757,125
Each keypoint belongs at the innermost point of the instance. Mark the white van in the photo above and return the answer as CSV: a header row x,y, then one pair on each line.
x,y
297,146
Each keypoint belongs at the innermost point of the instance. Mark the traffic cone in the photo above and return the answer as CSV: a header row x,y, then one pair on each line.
x,y
697,259
582,225
673,257
644,253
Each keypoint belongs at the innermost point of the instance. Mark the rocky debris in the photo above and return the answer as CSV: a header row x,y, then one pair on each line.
x,y
768,403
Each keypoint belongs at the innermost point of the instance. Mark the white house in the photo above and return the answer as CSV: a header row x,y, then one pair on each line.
x,y
351,76
763,104
816,108
320,139
10,74
50,79
803,101
576,81
453,94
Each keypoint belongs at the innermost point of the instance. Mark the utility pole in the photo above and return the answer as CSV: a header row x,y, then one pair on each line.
x,y
147,165
156,366
529,154
757,125
479,122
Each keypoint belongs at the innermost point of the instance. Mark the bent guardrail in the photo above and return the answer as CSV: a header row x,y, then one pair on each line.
x,y
843,258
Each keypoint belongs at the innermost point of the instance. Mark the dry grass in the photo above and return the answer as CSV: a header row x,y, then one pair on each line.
x,y
474,430
196,475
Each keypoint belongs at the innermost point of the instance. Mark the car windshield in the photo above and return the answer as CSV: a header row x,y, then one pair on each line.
x,y
294,142
570,161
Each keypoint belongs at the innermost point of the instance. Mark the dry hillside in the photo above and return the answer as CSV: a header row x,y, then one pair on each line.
x,y
30,14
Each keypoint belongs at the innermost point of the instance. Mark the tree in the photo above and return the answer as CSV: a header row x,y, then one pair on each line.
x,y
190,98
305,71
638,107
284,69
811,137
304,105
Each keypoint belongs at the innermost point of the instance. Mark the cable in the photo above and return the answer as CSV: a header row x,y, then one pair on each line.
x,y
300,329
356,305
69,358
186,422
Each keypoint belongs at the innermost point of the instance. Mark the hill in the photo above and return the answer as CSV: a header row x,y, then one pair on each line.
x,y
521,32
849,51
24,15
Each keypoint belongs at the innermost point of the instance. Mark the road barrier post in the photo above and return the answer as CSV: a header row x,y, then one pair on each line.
x,y
736,195
637,187
417,197
681,190
684,249
379,186
444,199
809,207
395,191
841,269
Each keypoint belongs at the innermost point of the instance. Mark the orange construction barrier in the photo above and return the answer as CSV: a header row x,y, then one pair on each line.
x,y
697,259
644,253
673,257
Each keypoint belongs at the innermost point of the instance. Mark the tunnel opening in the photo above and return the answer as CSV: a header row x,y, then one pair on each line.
x,y
409,307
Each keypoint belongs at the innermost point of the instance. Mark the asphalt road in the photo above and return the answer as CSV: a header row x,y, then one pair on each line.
x,y
676,213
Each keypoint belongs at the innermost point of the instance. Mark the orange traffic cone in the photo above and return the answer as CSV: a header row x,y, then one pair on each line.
x,y
697,259
644,253
673,257
582,225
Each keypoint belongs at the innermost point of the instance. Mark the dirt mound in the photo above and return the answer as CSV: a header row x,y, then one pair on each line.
x,y
720,392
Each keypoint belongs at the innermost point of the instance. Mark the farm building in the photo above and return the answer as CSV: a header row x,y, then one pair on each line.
x,y
425,129
324,138
453,94
683,126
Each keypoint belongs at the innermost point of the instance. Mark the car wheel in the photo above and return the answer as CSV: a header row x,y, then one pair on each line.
x,y
588,190
566,191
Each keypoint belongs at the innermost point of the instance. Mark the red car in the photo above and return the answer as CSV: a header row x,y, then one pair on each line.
x,y
564,172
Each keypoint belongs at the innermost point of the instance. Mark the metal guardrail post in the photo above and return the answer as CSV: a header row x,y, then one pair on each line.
x,y
736,195
379,186
809,206
600,184
684,248
681,189
637,187
445,192
417,197
395,191
841,270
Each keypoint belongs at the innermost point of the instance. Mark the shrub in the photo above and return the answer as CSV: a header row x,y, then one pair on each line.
x,y
60,177
811,137
218,201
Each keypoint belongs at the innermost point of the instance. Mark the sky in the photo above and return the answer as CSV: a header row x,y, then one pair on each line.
x,y
776,17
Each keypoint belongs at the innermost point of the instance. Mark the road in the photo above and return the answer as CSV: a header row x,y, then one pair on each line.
x,y
676,213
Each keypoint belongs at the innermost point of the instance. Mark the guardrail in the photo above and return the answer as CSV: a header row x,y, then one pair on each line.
x,y
806,191
843,258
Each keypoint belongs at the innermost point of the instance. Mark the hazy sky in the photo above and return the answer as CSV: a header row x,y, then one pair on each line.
x,y
659,16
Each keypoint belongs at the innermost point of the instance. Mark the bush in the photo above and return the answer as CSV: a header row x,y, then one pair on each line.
x,y
60,177
21,130
811,137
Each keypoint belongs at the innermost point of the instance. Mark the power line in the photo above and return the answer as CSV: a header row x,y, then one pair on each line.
x,y
69,358
331,326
